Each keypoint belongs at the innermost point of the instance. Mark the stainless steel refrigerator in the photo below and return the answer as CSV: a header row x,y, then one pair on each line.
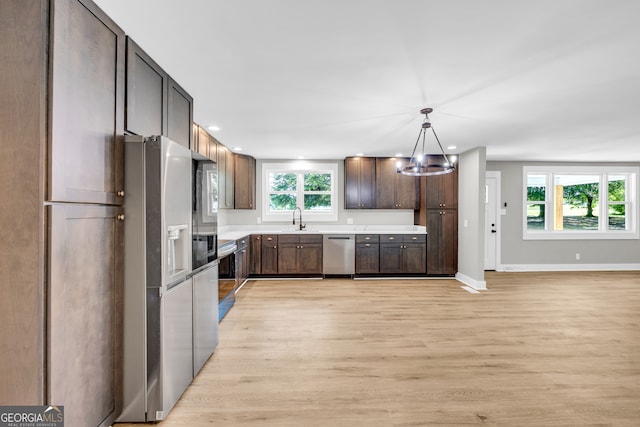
x,y
158,288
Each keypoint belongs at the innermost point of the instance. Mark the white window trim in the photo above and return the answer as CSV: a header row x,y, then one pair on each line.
x,y
299,166
603,234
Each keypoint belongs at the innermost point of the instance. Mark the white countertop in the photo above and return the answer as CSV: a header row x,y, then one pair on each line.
x,y
234,232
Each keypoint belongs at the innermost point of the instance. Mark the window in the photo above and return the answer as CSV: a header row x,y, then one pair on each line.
x,y
576,202
311,187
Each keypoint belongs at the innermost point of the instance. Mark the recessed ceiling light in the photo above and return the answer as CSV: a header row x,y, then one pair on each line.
x,y
300,157
213,128
398,154
237,148
451,147
359,154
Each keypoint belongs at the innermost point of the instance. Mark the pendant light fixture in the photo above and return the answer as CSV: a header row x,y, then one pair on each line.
x,y
423,163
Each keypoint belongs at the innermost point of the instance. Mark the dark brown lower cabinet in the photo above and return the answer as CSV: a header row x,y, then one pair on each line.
x,y
367,258
255,254
403,254
85,322
300,254
269,254
442,244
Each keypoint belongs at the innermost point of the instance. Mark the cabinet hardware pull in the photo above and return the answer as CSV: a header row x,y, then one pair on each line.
x,y
120,193
120,217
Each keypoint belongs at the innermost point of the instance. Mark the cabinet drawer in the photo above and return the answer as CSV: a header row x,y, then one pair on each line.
x,y
367,238
269,239
414,238
310,238
288,238
390,238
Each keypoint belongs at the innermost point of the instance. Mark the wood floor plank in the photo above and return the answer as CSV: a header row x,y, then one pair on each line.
x,y
536,349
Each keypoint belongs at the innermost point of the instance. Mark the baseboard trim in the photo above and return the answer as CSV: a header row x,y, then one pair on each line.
x,y
478,285
568,267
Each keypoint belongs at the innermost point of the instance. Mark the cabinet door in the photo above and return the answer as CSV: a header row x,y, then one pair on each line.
x,y
449,242
87,105
359,182
222,171
385,183
414,258
406,191
442,242
245,182
310,258
269,254
202,145
394,190
255,254
225,177
405,187
85,297
391,258
288,258
213,148
146,93
229,179
367,258
442,191
179,114
434,237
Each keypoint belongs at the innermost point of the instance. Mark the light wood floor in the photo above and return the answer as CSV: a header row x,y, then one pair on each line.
x,y
559,349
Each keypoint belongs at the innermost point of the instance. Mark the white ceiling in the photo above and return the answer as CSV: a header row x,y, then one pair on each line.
x,y
325,79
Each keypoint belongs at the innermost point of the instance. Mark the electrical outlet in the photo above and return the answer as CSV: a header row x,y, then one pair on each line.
x,y
577,256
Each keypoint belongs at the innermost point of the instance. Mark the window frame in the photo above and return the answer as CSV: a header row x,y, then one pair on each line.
x,y
300,169
603,172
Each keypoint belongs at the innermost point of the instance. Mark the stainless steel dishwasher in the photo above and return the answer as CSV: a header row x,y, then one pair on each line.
x,y
338,254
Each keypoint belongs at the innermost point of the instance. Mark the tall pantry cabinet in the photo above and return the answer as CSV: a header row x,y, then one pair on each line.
x,y
61,169
439,213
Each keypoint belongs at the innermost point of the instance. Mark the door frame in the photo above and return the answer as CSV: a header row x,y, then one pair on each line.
x,y
499,212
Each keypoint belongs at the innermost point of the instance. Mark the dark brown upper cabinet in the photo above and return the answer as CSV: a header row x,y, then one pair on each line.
x,y
146,93
442,191
394,190
360,182
179,114
87,105
202,143
245,182
226,167
156,104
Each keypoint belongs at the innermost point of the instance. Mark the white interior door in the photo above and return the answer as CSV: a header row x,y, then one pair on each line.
x,y
491,221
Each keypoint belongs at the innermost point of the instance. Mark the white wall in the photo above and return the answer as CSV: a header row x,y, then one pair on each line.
x,y
471,182
518,254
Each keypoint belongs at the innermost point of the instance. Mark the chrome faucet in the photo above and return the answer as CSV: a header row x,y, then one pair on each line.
x,y
302,226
